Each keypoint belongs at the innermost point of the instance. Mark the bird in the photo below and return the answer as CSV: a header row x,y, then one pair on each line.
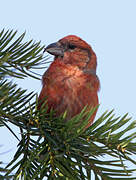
x,y
70,83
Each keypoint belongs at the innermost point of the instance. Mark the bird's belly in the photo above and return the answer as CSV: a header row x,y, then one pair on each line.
x,y
70,95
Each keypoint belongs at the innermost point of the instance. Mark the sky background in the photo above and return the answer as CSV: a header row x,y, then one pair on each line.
x,y
108,26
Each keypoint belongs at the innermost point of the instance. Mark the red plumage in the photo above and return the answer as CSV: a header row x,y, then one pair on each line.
x,y
70,83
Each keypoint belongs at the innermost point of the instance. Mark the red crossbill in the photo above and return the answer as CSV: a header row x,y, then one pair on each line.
x,y
70,83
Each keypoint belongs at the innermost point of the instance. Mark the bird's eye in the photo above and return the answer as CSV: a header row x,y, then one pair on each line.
x,y
71,46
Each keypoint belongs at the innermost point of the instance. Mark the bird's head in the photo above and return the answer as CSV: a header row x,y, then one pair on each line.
x,y
75,51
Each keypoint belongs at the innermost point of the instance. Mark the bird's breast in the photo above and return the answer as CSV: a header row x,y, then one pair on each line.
x,y
65,76
68,80
69,88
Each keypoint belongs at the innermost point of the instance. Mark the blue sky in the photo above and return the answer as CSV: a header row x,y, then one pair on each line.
x,y
110,28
